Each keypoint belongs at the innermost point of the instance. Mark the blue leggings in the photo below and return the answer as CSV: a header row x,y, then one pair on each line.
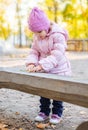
x,y
45,106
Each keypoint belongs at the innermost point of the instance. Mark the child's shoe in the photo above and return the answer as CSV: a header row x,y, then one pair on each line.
x,y
41,117
55,119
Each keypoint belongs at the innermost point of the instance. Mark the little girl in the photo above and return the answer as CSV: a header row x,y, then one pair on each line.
x,y
47,55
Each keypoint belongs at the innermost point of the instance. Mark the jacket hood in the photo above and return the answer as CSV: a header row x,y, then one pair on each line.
x,y
56,29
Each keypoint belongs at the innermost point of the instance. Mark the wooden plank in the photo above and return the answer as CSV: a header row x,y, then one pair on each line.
x,y
68,89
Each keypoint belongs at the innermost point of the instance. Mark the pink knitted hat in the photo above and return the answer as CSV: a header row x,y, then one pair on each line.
x,y
38,21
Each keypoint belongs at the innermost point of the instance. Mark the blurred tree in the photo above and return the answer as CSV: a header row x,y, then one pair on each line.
x,y
52,9
19,19
29,36
72,13
5,29
75,15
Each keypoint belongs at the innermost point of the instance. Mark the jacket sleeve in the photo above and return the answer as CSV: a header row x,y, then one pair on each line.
x,y
57,53
33,55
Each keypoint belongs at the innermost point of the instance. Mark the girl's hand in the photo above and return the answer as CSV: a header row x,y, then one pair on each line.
x,y
37,68
30,67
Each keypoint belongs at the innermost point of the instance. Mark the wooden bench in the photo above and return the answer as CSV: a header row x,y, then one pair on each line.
x,y
68,89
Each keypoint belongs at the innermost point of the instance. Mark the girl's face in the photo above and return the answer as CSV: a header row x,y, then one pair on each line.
x,y
41,34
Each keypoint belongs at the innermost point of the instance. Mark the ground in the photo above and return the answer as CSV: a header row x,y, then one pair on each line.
x,y
18,109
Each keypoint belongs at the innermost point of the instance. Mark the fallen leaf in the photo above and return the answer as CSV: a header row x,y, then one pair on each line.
x,y
20,129
2,127
82,112
53,126
42,126
5,126
17,113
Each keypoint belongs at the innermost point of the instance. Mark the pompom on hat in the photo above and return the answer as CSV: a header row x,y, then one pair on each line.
x,y
38,20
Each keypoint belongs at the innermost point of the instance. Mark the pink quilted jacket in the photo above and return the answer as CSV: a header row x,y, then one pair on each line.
x,y
50,52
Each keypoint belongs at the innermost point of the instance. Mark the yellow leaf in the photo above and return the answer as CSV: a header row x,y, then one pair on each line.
x,y
2,127
17,113
20,129
53,126
42,126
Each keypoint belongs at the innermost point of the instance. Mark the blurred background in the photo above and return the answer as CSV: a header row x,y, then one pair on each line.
x,y
71,14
